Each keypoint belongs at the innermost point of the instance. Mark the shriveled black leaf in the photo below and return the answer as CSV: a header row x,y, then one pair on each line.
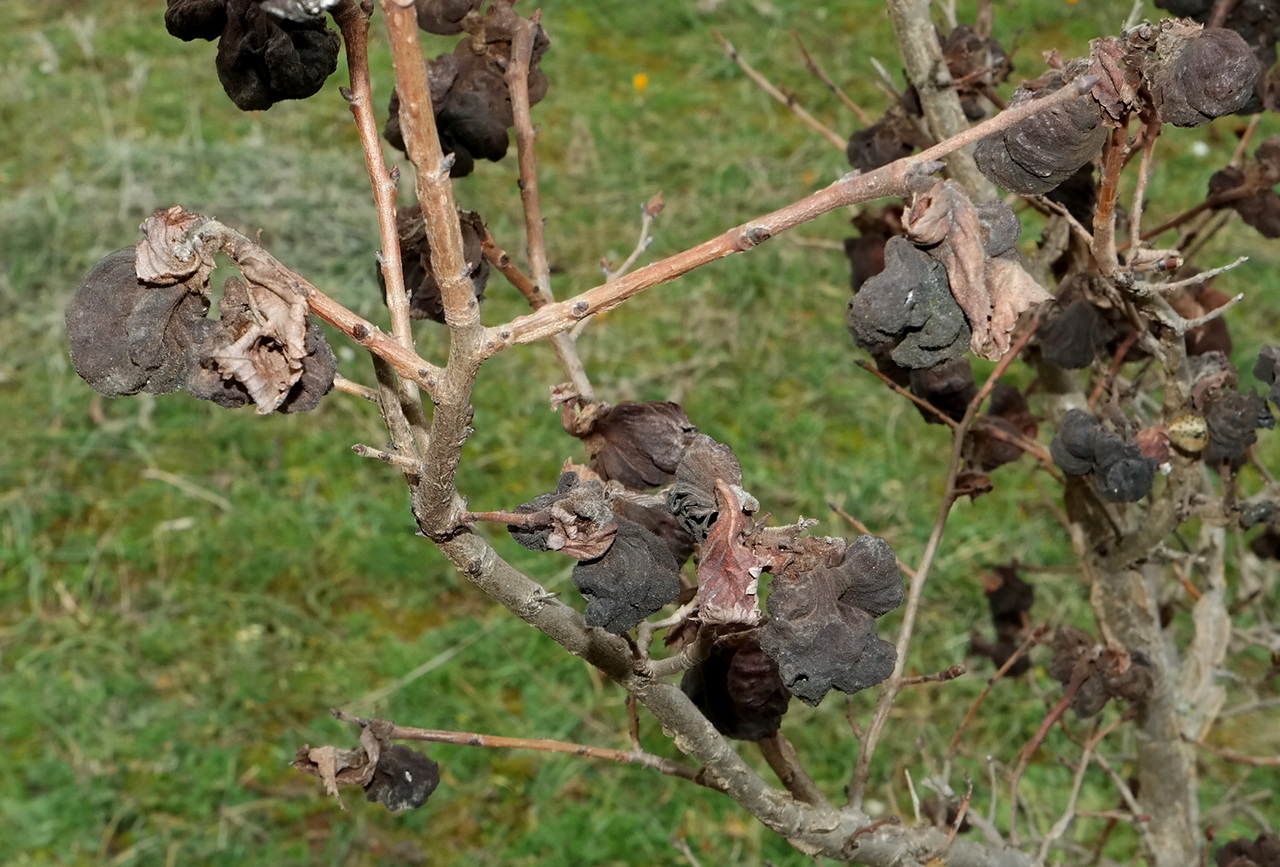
x,y
403,779
1041,152
948,386
909,305
659,521
263,59
444,17
129,336
196,19
1073,445
1200,76
891,138
1072,338
575,520
1262,851
866,252
1100,673
817,632
1267,369
1233,419
636,577
692,498
738,689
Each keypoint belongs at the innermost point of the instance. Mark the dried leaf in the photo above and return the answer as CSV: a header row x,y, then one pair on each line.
x,y
260,342
263,59
403,779
166,256
728,572
637,444
738,689
636,577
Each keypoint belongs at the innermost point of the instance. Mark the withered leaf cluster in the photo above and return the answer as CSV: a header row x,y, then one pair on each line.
x,y
1010,599
469,92
394,775
1072,336
1101,673
1262,851
952,283
420,282
1082,446
825,594
444,17
1267,370
131,335
1257,22
1007,413
1250,189
1185,73
738,688
263,58
1232,417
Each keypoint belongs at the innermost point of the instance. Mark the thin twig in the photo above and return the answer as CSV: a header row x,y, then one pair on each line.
x,y
789,101
1149,133
1030,747
1069,812
341,383
781,756
1104,216
404,462
499,259
517,77
915,591
961,812
943,676
498,742
1035,637
1230,755
821,74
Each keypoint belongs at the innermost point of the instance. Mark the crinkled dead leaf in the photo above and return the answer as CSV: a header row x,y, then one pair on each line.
x,y
166,255
993,291
260,341
738,689
728,572
634,578
574,519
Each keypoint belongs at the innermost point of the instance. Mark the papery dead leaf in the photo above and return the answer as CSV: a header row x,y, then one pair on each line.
x,y
728,573
260,341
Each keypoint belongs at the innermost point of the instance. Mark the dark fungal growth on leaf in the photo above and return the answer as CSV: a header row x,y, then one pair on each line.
x,y
821,630
403,779
909,305
738,689
128,336
263,58
415,257
1041,152
634,578
1197,77
637,444
1233,419
1082,446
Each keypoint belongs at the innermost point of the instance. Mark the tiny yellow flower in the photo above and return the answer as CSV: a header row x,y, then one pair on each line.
x,y
640,81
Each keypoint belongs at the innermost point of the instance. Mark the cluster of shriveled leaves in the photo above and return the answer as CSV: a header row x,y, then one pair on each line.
x,y
139,323
1257,22
631,543
268,50
1262,851
468,88
1184,74
1009,598
976,66
1097,673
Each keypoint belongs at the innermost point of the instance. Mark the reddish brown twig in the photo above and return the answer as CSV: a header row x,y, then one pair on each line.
x,y
1104,217
1230,755
499,259
1028,749
782,758
950,673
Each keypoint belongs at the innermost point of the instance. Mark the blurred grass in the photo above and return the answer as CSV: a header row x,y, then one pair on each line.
x,y
184,592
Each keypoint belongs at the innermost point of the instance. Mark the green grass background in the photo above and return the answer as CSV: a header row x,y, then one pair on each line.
x,y
185,591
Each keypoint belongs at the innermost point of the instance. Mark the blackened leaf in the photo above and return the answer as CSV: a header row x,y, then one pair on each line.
x,y
738,689
415,260
575,519
263,59
403,779
1200,76
444,17
1267,369
195,19
636,577
1072,338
